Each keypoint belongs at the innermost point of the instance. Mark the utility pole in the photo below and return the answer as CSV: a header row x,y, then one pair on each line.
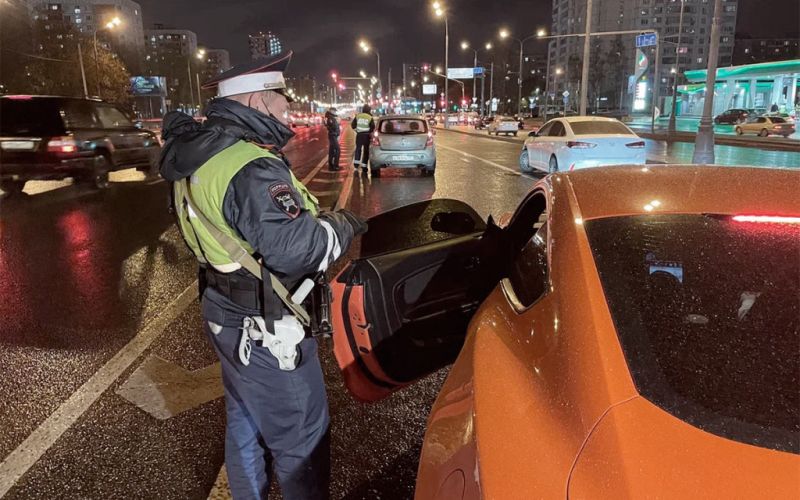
x,y
83,71
491,88
672,118
704,141
189,81
656,83
483,93
474,78
586,51
446,71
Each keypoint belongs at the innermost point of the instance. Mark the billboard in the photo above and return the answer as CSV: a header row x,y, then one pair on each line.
x,y
429,89
149,86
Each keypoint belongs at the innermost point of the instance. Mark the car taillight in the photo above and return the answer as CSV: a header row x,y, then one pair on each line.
x,y
376,141
635,145
62,145
429,142
580,145
767,219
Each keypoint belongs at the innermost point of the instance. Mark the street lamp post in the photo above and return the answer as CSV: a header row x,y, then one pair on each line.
x,y
109,26
439,10
704,141
505,34
83,71
586,52
365,46
671,126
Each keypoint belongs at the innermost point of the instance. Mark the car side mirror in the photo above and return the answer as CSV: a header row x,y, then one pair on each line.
x,y
533,133
453,223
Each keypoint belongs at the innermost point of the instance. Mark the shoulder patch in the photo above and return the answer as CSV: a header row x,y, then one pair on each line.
x,y
284,198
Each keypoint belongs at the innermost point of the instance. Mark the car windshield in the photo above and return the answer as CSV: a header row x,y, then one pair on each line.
x,y
34,117
599,128
706,308
403,126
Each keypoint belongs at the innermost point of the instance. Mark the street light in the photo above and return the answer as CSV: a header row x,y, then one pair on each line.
x,y
439,10
675,70
362,73
365,46
704,141
504,33
116,21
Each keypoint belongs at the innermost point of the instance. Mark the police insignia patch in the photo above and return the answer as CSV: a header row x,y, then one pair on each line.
x,y
283,196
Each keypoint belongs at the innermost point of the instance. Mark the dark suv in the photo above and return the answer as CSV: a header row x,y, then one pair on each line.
x,y
732,116
50,138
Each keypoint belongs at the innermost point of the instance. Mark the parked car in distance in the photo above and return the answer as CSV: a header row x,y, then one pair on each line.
x,y
402,141
580,142
764,126
299,120
504,125
608,340
52,138
732,116
484,122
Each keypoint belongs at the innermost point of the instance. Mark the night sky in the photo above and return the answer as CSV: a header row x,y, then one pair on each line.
x,y
324,33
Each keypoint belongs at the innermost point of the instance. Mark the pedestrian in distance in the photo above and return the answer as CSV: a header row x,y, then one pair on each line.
x,y
364,125
258,233
334,130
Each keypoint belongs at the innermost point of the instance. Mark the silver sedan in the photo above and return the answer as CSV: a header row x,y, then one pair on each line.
x,y
402,141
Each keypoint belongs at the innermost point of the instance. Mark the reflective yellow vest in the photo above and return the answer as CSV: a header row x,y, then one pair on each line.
x,y
362,122
208,186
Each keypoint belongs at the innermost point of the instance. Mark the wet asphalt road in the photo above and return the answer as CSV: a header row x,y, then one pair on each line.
x,y
81,274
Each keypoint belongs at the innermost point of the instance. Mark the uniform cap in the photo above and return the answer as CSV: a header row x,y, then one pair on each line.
x,y
262,74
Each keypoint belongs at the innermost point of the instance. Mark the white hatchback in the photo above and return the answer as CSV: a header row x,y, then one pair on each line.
x,y
580,142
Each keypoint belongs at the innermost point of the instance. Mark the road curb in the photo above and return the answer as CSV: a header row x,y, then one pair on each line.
x,y
725,140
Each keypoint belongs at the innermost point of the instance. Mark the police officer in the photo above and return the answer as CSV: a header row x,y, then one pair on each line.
x,y
334,130
259,232
364,125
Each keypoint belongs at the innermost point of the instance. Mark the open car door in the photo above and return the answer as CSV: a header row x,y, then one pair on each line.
x,y
401,310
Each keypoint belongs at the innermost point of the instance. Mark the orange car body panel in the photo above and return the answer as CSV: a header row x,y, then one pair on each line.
x,y
640,449
542,381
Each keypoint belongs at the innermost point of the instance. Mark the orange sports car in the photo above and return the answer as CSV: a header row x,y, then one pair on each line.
x,y
631,332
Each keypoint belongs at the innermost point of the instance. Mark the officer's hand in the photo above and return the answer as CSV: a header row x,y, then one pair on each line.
x,y
359,225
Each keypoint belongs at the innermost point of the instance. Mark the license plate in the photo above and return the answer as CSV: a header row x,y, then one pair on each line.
x,y
404,157
17,145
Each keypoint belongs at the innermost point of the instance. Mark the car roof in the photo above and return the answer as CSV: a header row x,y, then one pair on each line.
x,y
407,117
630,190
572,119
21,97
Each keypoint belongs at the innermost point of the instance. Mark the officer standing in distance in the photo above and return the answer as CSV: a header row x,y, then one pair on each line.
x,y
364,125
334,130
258,232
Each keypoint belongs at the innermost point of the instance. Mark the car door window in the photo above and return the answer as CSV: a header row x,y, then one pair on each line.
x,y
544,131
557,130
78,114
761,120
528,276
111,117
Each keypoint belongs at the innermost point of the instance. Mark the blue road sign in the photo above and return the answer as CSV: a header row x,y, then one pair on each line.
x,y
478,71
645,40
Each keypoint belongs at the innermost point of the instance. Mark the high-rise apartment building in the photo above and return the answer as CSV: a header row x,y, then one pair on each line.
x,y
264,45
757,50
126,38
614,58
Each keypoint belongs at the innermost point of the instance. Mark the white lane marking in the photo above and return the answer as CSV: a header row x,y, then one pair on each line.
x,y
347,189
221,490
19,461
314,172
484,160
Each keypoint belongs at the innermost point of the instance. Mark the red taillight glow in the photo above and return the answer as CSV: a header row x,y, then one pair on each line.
x,y
770,219
376,141
20,97
429,142
580,145
63,145
635,145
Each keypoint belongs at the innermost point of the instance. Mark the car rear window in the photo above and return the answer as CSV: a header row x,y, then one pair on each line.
x,y
707,312
30,117
599,128
403,126
777,119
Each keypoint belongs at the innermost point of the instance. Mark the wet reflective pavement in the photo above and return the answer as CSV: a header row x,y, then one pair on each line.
x,y
84,275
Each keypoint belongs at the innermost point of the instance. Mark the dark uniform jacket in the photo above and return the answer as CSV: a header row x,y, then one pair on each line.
x,y
332,124
292,245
